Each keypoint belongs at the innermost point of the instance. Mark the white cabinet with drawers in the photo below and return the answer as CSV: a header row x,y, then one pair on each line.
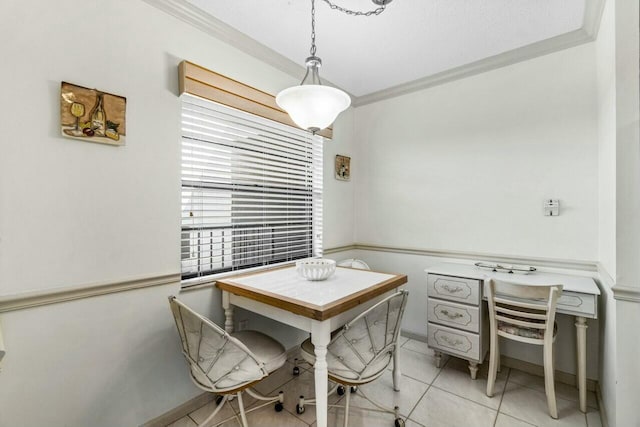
x,y
454,314
457,321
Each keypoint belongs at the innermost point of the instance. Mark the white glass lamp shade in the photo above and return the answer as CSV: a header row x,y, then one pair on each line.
x,y
313,107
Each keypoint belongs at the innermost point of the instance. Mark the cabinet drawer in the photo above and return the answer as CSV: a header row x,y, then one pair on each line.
x,y
453,341
454,288
452,314
580,304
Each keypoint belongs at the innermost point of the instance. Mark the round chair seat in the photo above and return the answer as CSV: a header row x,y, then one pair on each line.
x,y
266,349
525,332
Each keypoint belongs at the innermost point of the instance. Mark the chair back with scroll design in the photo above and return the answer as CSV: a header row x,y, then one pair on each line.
x,y
364,347
354,263
218,362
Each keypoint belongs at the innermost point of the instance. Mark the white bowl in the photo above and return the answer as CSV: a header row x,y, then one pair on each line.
x,y
316,269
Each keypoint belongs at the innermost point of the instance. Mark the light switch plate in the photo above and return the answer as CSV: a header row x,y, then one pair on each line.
x,y
551,207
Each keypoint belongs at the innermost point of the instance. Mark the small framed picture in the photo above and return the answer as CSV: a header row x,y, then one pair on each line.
x,y
92,115
343,168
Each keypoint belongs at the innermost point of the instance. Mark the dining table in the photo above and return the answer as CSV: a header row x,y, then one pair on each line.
x,y
318,307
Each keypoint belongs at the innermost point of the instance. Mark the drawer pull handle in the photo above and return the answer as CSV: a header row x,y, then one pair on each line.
x,y
452,342
451,316
452,290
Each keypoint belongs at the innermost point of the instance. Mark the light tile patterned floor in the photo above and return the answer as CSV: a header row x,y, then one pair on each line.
x,y
445,397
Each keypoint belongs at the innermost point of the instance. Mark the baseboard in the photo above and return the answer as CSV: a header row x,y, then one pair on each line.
x,y
521,365
538,370
603,411
181,411
413,336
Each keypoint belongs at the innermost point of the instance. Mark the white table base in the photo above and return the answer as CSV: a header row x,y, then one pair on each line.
x,y
320,337
581,347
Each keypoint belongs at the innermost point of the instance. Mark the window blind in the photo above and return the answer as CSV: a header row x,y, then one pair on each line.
x,y
251,190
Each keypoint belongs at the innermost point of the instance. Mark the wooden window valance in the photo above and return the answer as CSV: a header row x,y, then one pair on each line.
x,y
210,85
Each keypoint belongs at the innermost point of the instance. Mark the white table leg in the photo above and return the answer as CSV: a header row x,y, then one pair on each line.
x,y
473,369
397,375
320,337
581,345
438,358
228,312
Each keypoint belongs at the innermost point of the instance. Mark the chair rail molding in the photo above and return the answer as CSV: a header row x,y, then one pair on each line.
x,y
626,293
621,292
3,350
339,249
53,296
587,266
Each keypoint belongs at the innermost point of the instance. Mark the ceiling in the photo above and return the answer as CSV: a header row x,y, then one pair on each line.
x,y
410,43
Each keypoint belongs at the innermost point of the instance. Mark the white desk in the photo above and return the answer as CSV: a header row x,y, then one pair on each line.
x,y
579,298
315,307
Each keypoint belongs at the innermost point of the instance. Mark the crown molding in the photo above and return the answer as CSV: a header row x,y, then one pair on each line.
x,y
593,10
524,53
203,21
211,25
587,33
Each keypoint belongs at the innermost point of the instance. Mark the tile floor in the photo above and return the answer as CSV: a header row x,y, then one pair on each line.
x,y
432,397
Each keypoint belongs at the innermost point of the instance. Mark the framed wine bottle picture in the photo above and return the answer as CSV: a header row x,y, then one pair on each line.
x,y
92,115
343,168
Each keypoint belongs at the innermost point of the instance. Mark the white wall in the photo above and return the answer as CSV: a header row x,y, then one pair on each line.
x,y
627,58
617,50
415,316
438,169
606,84
339,208
467,165
75,213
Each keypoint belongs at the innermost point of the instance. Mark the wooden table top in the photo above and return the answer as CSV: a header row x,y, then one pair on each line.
x,y
319,300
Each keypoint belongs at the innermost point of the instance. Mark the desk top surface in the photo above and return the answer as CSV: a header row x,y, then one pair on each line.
x,y
284,288
581,284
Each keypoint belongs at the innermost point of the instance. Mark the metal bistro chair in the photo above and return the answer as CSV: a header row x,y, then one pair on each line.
x,y
361,351
354,263
227,364
513,315
350,263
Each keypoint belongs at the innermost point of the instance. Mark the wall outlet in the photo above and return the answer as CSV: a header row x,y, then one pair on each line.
x,y
551,207
243,325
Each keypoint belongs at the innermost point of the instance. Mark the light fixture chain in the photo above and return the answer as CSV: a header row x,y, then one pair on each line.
x,y
377,11
313,28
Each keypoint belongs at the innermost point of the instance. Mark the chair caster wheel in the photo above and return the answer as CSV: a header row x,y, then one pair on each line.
x,y
296,371
278,407
354,389
219,399
398,423
340,390
300,409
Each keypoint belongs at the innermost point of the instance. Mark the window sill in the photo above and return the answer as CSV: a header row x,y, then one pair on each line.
x,y
210,280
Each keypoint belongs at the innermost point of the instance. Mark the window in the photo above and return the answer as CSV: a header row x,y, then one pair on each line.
x,y
251,190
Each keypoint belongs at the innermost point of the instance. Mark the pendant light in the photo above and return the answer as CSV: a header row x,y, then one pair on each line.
x,y
312,105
